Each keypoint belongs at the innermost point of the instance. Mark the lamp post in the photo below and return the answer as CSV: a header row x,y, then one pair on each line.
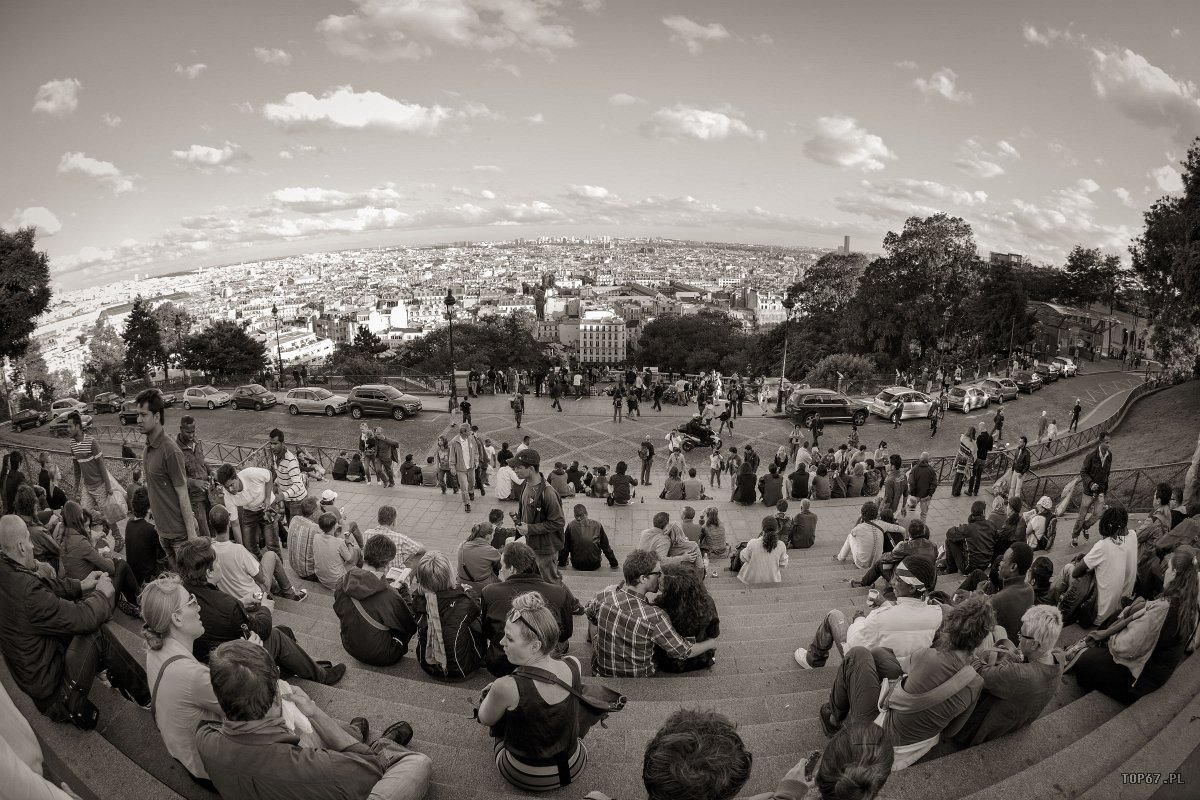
x,y
278,351
450,302
788,305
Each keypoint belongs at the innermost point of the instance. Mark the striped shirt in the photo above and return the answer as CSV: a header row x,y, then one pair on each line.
x,y
289,477
90,462
627,629
406,548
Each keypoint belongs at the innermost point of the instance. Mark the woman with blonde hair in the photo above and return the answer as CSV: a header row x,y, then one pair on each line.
x,y
181,693
450,641
538,748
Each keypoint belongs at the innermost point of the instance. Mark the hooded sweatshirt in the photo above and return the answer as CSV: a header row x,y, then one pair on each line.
x,y
386,641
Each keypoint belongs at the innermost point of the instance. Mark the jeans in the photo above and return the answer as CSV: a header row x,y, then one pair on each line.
x,y
831,633
408,776
272,566
383,469
280,642
466,484
171,548
923,502
85,655
255,528
855,693
976,477
646,471
1014,484
1086,504
548,567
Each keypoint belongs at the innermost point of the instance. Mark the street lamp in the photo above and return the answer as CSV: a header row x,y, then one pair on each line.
x,y
450,301
278,351
788,305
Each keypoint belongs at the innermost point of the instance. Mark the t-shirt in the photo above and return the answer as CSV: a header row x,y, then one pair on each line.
x,y
622,488
506,483
163,467
142,549
235,569
291,481
693,489
1115,566
333,555
91,462
253,496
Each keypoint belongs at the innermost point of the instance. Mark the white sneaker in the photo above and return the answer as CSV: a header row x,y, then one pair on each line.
x,y
801,656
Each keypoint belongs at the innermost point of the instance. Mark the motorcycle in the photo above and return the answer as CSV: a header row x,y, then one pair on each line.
x,y
690,441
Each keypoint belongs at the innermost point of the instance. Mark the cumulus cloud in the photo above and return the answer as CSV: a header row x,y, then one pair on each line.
x,y
191,72
1176,33
392,30
40,217
499,65
205,157
316,200
1166,178
764,40
893,200
487,168
536,119
1145,93
1125,197
273,56
681,120
1007,149
57,98
103,171
344,108
299,150
1034,36
623,99
977,162
1049,228
943,83
487,194
588,191
111,120
840,141
693,35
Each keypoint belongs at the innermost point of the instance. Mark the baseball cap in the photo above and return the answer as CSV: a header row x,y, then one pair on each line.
x,y
1045,503
328,496
527,458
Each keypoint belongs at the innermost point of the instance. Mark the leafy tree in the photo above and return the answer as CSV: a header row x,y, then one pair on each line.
x,y
1166,261
1091,276
24,289
1042,282
852,368
829,284
143,340
174,323
809,339
999,310
499,342
359,369
29,370
105,361
222,349
695,342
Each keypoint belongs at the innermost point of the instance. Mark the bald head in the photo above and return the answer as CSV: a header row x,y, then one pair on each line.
x,y
14,539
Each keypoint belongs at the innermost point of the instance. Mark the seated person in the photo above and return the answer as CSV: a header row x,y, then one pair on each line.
x,y
375,618
53,636
585,542
798,482
309,465
1018,680
302,533
80,557
21,758
450,642
478,562
904,627
240,574
673,487
1041,579
893,534
408,551
764,557
356,473
692,612
226,618
821,488
253,753
621,485
693,487
804,527
500,534
917,544
913,727
410,473
519,574
429,473
970,546
669,541
558,479
143,550
864,543
340,466
334,551
744,487
1013,595
770,486
507,486
575,477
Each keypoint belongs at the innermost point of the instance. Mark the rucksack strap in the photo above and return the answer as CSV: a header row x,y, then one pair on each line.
x,y
374,623
157,681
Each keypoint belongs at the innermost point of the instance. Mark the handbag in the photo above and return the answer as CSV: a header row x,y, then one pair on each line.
x,y
596,702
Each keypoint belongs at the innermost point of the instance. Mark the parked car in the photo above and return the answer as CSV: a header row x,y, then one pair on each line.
x,y
106,403
206,396
1047,372
252,395
804,403
310,400
128,412
1027,381
380,398
1066,365
67,404
916,404
1000,389
967,398
59,424
29,418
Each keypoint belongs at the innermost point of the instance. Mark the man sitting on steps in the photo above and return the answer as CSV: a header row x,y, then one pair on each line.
x,y
519,574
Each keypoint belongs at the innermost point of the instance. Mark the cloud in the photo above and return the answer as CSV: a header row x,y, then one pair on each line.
x,y
978,163
40,217
1146,94
693,35
536,119
111,120
299,150
343,108
1125,197
273,56
1007,149
943,83
588,191
1176,33
316,200
764,40
1167,178
487,194
623,99
893,200
1033,36
697,123
207,158
104,171
499,65
190,72
392,30
1050,227
905,65
57,98
592,6
839,141
487,168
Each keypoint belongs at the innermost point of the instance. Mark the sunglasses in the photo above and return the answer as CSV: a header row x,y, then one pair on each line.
x,y
518,616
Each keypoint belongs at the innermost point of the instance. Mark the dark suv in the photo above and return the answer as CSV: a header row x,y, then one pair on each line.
x,y
803,405
1027,381
380,398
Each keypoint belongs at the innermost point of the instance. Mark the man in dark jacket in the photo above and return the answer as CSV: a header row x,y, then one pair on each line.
x,y
1020,465
983,446
53,636
1093,477
922,482
969,547
375,618
586,542
518,575
541,521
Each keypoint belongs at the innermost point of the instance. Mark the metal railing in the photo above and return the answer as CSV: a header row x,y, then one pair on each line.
x,y
1133,488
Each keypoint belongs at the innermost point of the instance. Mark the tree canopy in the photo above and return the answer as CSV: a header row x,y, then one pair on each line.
x,y
106,358
829,284
224,348
1091,276
695,342
174,323
24,289
143,340
494,341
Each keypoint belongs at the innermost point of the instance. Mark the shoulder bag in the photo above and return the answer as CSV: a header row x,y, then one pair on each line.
x,y
596,702
157,681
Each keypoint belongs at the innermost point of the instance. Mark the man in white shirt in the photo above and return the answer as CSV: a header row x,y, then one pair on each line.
x,y
240,574
250,497
865,541
524,445
508,485
334,551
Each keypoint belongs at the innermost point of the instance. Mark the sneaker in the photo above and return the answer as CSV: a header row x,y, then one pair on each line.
x,y
828,725
363,726
399,732
334,674
1074,543
801,656
856,584
128,609
298,595
467,507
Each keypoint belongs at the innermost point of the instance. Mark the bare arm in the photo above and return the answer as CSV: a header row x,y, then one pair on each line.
x,y
1189,480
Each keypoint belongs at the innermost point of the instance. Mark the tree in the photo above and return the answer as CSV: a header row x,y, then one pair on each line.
x,y
999,311
224,349
829,284
1166,261
1091,276
174,323
143,340
809,339
106,359
30,371
1042,282
850,368
695,342
24,289
499,342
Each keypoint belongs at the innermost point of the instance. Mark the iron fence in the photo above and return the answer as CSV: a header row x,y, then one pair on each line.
x,y
1133,487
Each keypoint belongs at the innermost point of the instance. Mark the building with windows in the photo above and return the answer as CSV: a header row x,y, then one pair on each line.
x,y
602,340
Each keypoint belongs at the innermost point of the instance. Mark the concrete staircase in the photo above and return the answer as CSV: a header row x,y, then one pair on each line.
x,y
1079,746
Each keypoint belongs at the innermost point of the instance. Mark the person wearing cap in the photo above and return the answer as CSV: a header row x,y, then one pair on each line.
x,y
464,460
1037,524
541,520
507,484
327,506
903,627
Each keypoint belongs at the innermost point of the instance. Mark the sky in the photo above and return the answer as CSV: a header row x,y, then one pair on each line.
x,y
154,137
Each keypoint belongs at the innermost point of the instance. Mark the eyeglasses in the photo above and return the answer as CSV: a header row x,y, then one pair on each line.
x,y
656,572
1026,636
191,602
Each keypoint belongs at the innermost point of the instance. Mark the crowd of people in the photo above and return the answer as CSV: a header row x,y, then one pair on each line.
x,y
197,554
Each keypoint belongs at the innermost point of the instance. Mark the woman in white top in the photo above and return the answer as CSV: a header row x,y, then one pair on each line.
x,y
764,556
1113,559
182,693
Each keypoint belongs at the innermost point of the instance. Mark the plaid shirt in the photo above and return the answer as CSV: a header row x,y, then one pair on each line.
x,y
627,629
406,548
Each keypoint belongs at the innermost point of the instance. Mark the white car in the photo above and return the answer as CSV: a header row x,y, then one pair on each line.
x,y
1067,366
314,400
916,404
67,404
204,397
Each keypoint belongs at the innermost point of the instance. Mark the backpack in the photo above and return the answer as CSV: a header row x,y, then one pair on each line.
x,y
644,453
1149,563
1078,603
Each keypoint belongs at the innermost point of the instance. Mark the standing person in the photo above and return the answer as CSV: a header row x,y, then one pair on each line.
x,y
442,460
933,424
923,481
199,477
464,406
964,461
97,489
795,440
1052,430
366,449
998,424
716,465
817,427
1075,412
1020,465
618,395
464,458
1093,477
542,522
658,392
385,450
897,412
518,406
555,392
1043,423
646,456
289,480
166,477
249,495
983,446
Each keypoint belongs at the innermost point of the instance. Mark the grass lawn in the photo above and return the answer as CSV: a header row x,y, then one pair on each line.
x,y
1161,429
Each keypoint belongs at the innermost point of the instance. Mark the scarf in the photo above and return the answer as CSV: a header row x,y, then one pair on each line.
x,y
435,645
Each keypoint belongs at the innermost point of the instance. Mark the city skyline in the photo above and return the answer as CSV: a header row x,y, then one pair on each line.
x,y
164,138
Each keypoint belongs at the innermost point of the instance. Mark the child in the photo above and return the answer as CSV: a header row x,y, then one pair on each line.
x,y
500,534
143,551
465,407
715,467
